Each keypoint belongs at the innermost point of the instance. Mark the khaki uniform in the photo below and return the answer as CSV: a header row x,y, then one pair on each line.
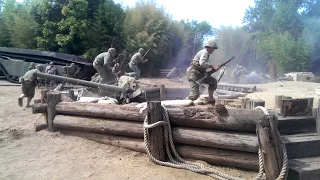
x,y
196,71
29,83
71,71
133,64
32,66
101,64
237,72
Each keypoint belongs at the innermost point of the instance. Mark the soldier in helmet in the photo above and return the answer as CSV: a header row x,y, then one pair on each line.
x,y
197,70
32,66
28,85
102,64
237,72
133,64
71,71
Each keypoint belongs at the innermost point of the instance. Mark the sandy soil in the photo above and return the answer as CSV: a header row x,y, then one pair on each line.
x,y
25,154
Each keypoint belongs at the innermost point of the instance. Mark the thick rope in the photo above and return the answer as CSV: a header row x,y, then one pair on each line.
x,y
197,167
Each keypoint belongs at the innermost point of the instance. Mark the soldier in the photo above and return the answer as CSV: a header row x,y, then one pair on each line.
x,y
133,64
32,66
51,69
71,71
102,64
197,70
28,85
237,72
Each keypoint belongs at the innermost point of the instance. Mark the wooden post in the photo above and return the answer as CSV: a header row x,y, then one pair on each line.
x,y
278,101
269,143
53,98
162,93
155,134
243,101
248,104
318,118
44,95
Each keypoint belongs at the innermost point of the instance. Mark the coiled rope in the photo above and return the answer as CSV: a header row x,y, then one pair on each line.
x,y
180,163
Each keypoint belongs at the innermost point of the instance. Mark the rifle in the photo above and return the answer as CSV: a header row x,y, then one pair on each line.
x,y
213,71
146,53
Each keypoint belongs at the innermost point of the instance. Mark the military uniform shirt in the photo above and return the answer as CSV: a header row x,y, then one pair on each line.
x,y
30,75
136,59
203,57
103,59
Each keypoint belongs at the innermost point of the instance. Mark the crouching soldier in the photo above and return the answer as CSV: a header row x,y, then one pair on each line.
x,y
102,64
197,70
71,71
28,85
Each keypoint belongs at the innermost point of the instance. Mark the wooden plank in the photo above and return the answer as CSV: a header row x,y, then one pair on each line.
x,y
278,101
162,92
269,148
304,169
296,124
296,107
155,135
301,146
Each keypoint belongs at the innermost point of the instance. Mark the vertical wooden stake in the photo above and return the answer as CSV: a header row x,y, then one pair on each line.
x,y
162,92
278,101
269,142
318,118
156,134
44,95
53,98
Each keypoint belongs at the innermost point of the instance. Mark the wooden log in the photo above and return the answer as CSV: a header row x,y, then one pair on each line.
x,y
212,156
296,146
39,108
207,138
162,92
37,101
155,135
216,117
269,146
53,98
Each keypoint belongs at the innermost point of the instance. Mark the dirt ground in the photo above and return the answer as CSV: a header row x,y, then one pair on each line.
x,y
25,154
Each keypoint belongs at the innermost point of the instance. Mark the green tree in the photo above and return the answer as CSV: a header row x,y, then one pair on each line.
x,y
148,26
73,27
106,28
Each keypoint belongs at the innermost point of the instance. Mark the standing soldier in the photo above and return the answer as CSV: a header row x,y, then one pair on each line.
x,y
197,70
71,71
133,64
28,85
102,64
32,66
51,69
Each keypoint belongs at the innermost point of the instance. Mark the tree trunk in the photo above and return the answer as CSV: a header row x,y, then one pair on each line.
x,y
213,156
218,117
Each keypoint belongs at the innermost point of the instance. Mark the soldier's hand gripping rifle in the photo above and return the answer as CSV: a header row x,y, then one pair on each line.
x,y
213,71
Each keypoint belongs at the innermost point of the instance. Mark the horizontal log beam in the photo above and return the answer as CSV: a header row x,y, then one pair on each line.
x,y
214,156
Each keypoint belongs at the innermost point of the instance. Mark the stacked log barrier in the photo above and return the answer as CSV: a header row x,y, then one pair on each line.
x,y
196,130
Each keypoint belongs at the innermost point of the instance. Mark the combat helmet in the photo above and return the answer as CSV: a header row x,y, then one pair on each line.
x,y
211,43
